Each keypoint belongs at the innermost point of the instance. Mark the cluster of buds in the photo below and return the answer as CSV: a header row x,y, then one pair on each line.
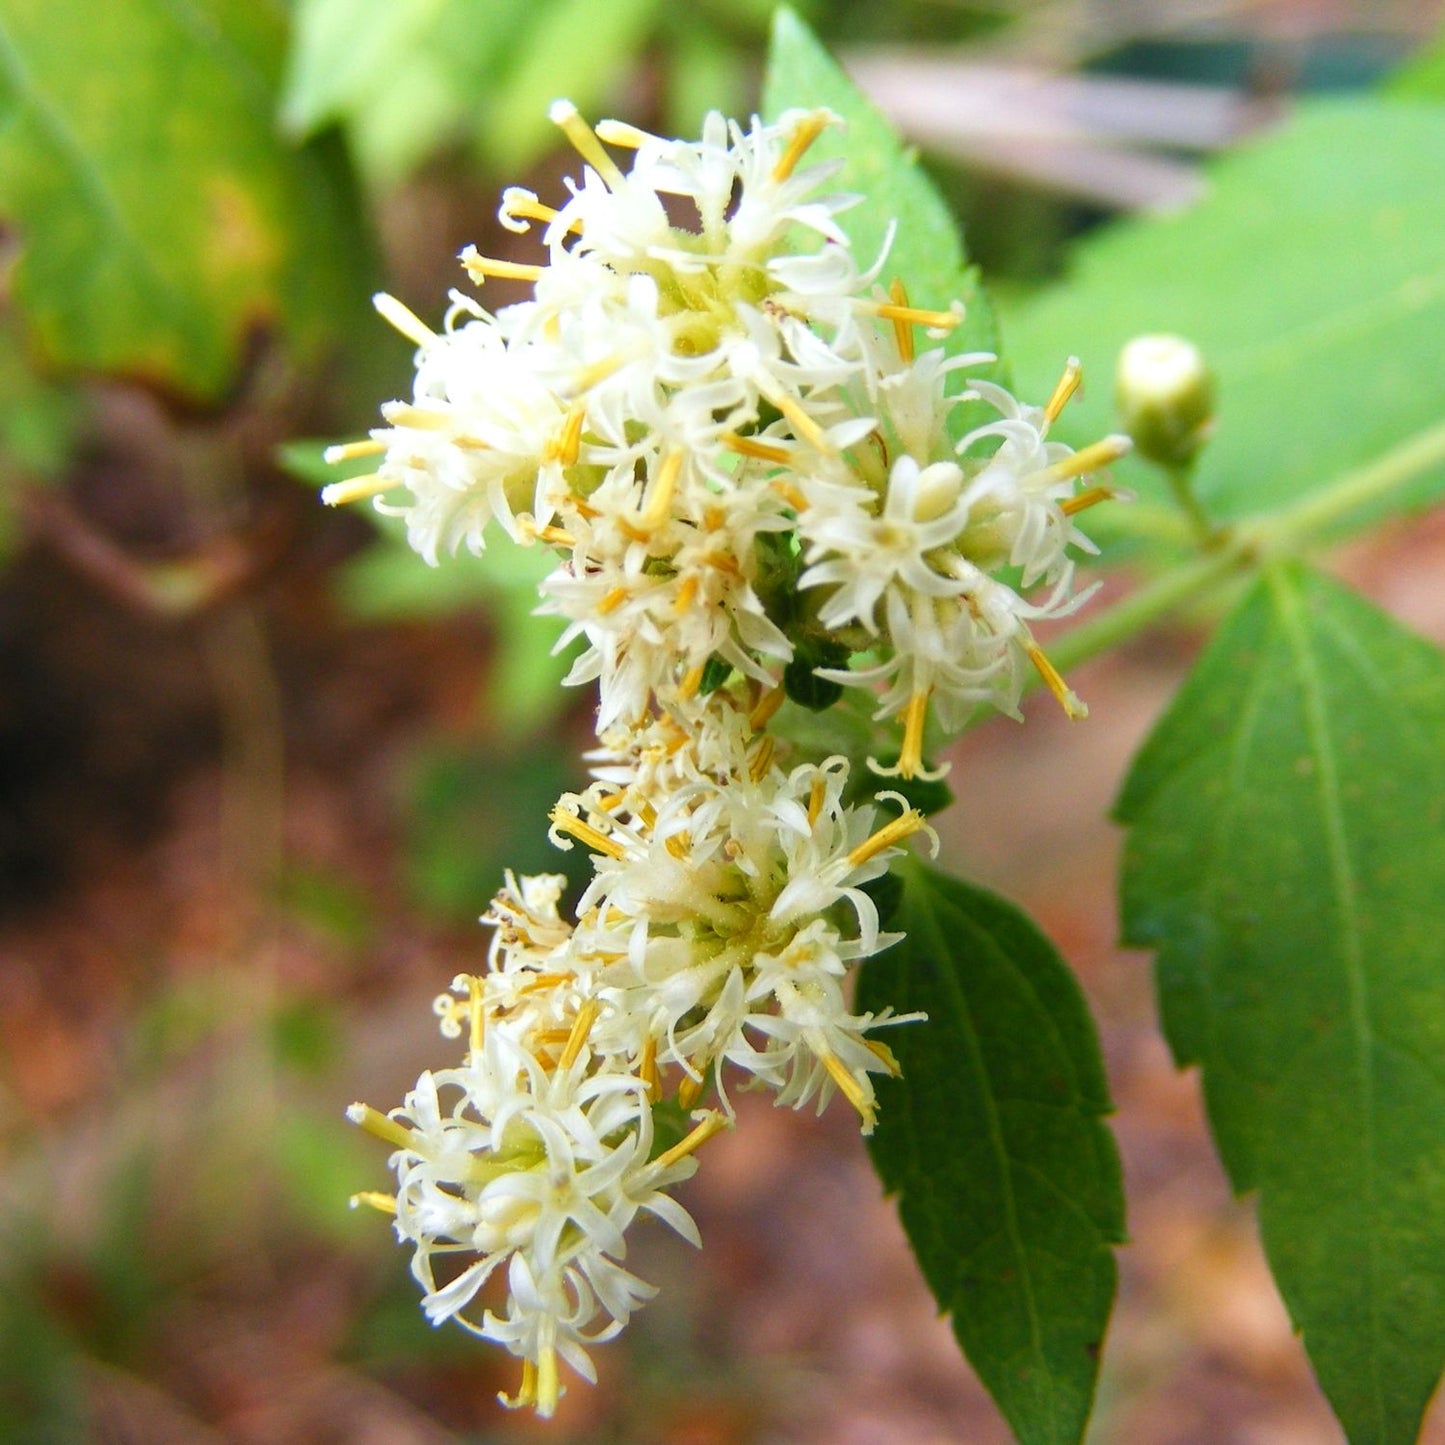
x,y
729,436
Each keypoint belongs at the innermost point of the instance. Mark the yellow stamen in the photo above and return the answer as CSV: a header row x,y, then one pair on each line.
x,y
374,1199
766,706
526,1391
902,331
816,794
581,1027
349,451
659,497
762,760
522,205
900,828
1089,497
791,495
569,441
689,1091
377,1124
619,133
713,1124
686,591
691,681
851,1089
647,1068
354,489
910,759
599,371
548,1387
747,447
403,318
1089,459
1067,385
801,422
612,601
677,845
566,117
886,1055
478,1018
398,413
479,267
584,832
1068,699
554,536
808,130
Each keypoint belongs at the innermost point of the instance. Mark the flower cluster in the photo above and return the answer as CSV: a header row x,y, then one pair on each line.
x,y
724,428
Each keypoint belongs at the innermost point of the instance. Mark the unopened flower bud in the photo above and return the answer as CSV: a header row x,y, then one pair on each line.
x,y
1165,397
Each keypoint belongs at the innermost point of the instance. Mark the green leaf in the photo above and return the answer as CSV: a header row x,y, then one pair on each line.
x,y
927,251
575,49
1423,75
1319,306
159,216
1008,1182
341,53
1285,856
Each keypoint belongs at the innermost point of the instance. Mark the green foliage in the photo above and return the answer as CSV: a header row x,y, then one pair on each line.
x,y
926,249
1318,305
1008,1182
1285,856
159,218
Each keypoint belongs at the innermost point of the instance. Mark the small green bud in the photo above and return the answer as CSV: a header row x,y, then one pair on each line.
x,y
1165,397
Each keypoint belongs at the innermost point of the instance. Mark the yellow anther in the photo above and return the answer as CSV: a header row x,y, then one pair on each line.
x,y
598,372
885,1055
762,759
584,832
816,796
479,267
1089,497
791,495
568,119
807,131
902,331
1068,699
647,1068
852,1090
619,133
714,1123
612,601
1089,459
374,1199
1067,385
660,494
910,758
403,319
900,828
803,425
399,413
553,536
748,447
691,681
355,489
349,451
686,591
380,1126
568,446
765,707
520,204
477,1016
690,1091
581,1027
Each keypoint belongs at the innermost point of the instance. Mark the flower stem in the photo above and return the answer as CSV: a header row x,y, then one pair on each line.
x,y
1245,546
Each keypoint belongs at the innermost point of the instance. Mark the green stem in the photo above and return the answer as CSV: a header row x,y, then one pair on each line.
x,y
1241,549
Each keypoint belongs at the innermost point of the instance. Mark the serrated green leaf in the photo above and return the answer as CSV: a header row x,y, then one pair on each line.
x,y
575,49
1319,306
159,216
927,251
1008,1182
1286,856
